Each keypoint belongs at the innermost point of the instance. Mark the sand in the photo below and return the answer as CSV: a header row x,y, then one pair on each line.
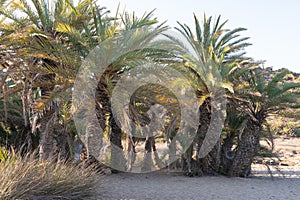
x,y
171,186
285,183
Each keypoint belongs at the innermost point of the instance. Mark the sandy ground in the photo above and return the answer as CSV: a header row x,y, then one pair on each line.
x,y
285,183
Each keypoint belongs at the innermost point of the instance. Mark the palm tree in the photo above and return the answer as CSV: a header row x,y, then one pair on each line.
x,y
50,45
217,61
138,49
54,42
257,98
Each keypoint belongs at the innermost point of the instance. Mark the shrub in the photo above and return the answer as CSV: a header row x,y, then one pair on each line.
x,y
28,178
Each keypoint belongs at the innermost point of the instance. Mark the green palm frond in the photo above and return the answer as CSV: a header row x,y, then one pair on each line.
x,y
283,101
277,90
217,52
131,21
268,93
277,78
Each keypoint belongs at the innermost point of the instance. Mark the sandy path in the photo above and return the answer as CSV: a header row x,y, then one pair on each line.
x,y
174,186
164,185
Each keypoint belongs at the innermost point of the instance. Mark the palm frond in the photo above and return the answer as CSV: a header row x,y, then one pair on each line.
x,y
277,78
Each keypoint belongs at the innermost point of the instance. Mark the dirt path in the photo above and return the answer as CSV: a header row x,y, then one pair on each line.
x,y
173,186
164,185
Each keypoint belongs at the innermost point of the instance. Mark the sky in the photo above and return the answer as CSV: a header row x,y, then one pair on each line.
x,y
272,25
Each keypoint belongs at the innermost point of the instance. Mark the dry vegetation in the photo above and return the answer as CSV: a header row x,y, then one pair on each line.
x,y
28,178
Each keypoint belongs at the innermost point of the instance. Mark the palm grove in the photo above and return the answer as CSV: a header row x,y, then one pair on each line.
x,y
41,51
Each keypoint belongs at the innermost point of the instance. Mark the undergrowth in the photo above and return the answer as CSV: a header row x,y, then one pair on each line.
x,y
25,177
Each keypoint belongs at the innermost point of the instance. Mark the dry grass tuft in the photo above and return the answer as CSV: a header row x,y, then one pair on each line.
x,y
28,178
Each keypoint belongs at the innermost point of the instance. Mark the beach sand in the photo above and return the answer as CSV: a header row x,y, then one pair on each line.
x,y
284,184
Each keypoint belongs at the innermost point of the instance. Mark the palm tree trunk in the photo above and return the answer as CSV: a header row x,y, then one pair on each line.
x,y
247,148
227,154
46,135
5,101
147,162
209,162
104,113
117,157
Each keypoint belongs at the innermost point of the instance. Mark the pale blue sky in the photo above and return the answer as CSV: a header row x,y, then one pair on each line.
x,y
273,25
